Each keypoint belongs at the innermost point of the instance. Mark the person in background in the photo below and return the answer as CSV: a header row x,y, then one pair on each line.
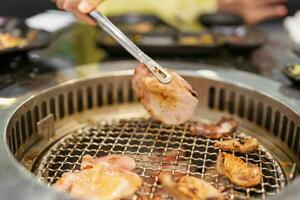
x,y
180,11
254,11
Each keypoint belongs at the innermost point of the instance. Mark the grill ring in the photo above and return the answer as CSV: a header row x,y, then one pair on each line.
x,y
148,142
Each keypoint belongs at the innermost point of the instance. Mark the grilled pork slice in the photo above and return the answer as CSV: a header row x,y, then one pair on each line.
x,y
104,179
223,128
246,145
124,162
172,103
237,171
189,188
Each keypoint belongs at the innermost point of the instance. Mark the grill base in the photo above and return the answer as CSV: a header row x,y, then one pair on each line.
x,y
149,142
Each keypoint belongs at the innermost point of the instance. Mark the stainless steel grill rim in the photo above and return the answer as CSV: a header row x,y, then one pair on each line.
x,y
235,99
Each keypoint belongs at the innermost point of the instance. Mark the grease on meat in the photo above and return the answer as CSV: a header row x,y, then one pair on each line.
x,y
172,103
237,171
107,178
223,128
189,188
246,145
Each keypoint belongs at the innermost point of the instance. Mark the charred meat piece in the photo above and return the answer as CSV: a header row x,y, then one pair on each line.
x,y
237,171
189,188
224,128
246,145
172,103
102,179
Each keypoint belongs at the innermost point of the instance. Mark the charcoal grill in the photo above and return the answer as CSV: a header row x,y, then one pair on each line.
x,y
47,133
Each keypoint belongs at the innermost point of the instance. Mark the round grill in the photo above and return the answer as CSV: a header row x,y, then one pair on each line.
x,y
149,142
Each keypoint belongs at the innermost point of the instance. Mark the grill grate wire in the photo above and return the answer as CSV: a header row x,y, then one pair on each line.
x,y
148,142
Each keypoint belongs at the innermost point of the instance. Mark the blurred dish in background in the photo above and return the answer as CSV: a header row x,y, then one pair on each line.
x,y
16,37
158,38
247,40
237,36
292,72
204,39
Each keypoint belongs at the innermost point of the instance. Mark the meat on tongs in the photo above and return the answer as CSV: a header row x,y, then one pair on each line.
x,y
171,103
223,128
189,188
245,145
237,171
106,178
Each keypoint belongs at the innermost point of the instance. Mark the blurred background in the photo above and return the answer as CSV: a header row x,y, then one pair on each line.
x,y
255,36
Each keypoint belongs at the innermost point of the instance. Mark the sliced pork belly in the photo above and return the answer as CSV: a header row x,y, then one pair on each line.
x,y
223,128
246,145
172,103
237,171
189,188
106,178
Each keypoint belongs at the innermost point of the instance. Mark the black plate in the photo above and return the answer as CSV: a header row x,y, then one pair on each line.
x,y
220,19
287,72
41,40
161,44
251,40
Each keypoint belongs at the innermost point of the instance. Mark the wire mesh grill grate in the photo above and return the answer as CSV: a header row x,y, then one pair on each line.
x,y
149,142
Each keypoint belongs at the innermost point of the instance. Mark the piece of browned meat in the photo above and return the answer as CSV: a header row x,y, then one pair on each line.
x,y
189,188
237,171
223,128
107,178
172,103
245,145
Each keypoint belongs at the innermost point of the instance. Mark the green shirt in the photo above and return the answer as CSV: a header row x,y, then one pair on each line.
x,y
180,13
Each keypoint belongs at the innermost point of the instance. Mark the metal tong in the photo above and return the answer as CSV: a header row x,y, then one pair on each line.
x,y
159,72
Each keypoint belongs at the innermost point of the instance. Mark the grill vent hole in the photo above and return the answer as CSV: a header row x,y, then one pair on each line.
x,y
52,107
23,129
297,141
44,109
99,96
70,103
61,106
211,98
89,98
241,106
250,110
291,133
222,100
269,118
120,95
130,93
231,103
110,99
284,128
259,113
18,136
29,123
79,100
13,141
276,123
